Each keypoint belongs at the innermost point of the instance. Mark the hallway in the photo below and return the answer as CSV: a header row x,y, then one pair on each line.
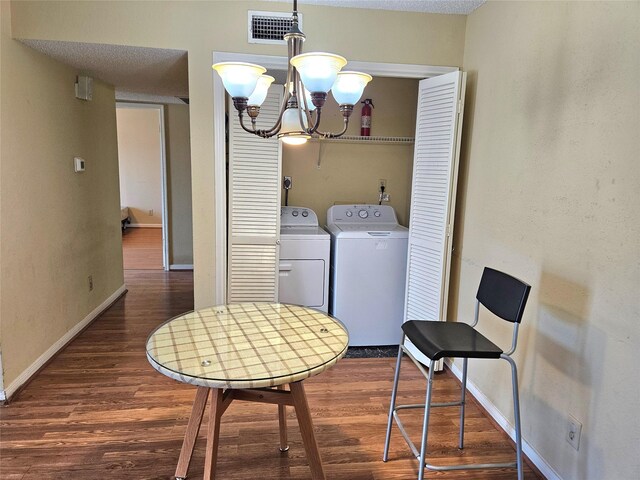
x,y
142,249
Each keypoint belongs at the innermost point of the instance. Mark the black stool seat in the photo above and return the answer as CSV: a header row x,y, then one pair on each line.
x,y
449,339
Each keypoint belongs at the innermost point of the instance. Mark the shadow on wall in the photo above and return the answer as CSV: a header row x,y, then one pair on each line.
x,y
461,193
567,363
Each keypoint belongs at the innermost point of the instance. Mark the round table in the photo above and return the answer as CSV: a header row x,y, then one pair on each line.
x,y
249,352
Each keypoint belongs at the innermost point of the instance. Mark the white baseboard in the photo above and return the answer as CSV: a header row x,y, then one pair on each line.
x,y
46,356
144,225
179,266
501,420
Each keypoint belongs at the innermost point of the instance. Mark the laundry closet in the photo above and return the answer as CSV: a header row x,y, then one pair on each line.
x,y
350,171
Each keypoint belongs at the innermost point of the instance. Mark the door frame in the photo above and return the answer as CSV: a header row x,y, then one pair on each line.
x,y
163,174
396,70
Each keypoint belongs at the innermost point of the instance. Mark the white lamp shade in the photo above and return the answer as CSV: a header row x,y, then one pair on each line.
x,y
349,86
310,104
239,78
291,139
318,70
260,93
290,131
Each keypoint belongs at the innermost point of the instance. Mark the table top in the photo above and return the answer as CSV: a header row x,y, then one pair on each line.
x,y
247,345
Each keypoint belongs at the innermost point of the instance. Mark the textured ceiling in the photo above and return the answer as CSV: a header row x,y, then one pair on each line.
x,y
130,69
461,7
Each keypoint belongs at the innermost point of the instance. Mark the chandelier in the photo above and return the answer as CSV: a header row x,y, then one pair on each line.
x,y
310,76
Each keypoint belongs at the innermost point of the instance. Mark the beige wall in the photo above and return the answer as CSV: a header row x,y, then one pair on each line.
x,y
203,27
179,185
58,227
549,192
140,162
351,173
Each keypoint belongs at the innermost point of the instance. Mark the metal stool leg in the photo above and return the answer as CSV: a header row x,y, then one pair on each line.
x,y
516,413
394,392
425,423
462,402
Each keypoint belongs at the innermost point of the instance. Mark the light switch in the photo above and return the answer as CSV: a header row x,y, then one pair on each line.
x,y
78,164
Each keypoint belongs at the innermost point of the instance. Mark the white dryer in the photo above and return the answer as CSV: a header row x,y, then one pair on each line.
x,y
368,272
304,259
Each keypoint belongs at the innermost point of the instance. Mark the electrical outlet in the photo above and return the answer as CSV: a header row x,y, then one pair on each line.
x,y
90,282
151,213
287,183
574,429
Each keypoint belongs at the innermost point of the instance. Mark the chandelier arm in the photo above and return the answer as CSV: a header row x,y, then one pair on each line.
x,y
313,130
335,135
253,124
276,128
260,133
306,106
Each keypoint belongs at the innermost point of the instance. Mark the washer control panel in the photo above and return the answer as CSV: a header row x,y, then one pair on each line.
x,y
298,217
361,213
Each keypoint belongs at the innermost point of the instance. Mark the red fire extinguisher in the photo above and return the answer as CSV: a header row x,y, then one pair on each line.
x,y
365,118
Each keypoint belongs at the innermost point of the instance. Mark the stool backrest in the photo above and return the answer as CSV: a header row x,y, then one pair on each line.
x,y
503,295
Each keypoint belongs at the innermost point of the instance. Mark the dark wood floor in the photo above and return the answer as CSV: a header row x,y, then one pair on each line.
x,y
98,411
142,249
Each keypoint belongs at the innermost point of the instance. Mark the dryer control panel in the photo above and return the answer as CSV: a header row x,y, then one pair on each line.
x,y
369,214
298,217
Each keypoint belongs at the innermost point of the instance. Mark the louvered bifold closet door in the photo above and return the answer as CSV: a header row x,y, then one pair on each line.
x,y
254,207
435,171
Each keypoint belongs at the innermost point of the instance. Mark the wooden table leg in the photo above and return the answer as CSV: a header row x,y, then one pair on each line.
x,y
282,420
306,429
213,434
190,436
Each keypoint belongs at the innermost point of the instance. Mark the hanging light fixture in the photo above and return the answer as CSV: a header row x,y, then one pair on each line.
x,y
310,76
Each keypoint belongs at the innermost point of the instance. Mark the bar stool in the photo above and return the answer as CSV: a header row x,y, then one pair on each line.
x,y
504,296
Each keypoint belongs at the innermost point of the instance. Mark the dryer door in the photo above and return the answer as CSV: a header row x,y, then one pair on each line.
x,y
302,282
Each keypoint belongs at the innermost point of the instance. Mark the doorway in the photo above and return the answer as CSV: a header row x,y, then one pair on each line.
x,y
143,190
406,71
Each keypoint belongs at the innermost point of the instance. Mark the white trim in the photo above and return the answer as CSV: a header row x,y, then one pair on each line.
x,y
220,187
165,194
504,423
57,346
181,266
144,225
149,98
163,179
399,70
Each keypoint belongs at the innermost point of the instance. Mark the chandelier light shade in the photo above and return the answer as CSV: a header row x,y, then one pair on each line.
x,y
349,86
259,95
318,70
239,78
290,131
310,76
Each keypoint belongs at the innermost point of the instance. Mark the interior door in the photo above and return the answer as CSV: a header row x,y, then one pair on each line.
x,y
254,207
435,175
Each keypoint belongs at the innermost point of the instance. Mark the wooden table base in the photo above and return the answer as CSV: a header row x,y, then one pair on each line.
x,y
220,401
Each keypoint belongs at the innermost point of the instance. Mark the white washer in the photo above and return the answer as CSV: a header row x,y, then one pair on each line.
x,y
368,272
304,259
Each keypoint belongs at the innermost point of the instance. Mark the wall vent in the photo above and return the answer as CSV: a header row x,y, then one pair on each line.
x,y
270,27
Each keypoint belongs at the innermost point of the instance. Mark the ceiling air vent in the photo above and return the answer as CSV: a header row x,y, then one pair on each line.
x,y
270,27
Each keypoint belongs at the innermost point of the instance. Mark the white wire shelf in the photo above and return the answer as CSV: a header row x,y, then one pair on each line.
x,y
371,140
